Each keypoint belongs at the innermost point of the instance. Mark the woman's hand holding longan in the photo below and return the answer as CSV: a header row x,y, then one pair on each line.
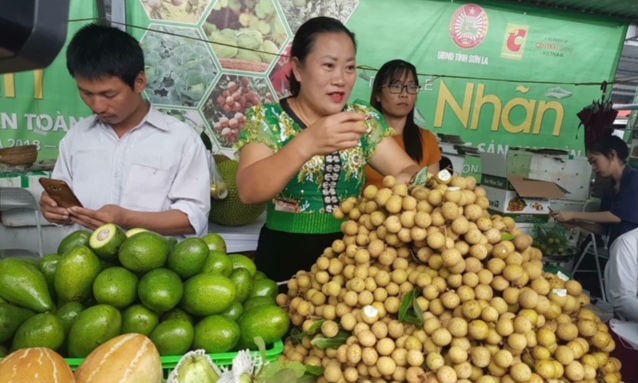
x,y
563,216
336,132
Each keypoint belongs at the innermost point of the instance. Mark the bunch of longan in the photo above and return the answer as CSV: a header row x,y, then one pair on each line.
x,y
482,309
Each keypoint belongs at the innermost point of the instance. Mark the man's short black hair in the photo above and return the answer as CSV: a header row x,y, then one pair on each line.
x,y
98,51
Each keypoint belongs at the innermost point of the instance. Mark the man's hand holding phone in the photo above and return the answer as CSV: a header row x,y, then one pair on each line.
x,y
56,200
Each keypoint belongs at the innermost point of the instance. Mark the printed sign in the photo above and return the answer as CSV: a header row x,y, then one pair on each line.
x,y
495,75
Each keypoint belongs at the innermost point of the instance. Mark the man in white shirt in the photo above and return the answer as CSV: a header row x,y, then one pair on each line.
x,y
128,164
621,276
621,285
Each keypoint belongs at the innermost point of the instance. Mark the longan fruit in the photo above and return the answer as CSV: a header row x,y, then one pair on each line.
x,y
480,356
446,374
370,191
389,181
394,204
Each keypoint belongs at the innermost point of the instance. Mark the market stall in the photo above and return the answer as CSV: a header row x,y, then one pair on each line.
x,y
461,277
425,283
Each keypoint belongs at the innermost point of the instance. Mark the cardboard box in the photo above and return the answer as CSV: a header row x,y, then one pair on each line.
x,y
511,192
571,174
528,196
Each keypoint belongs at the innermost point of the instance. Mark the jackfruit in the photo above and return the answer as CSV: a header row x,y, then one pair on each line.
x,y
230,211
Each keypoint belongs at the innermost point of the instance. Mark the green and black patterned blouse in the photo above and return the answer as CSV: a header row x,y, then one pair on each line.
x,y
307,202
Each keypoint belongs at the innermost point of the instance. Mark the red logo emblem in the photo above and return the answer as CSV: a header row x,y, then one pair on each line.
x,y
514,41
469,26
514,44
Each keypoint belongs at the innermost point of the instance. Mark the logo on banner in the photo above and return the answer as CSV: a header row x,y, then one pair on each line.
x,y
469,26
554,46
514,41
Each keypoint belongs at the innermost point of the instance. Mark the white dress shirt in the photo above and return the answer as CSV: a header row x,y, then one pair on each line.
x,y
160,165
621,276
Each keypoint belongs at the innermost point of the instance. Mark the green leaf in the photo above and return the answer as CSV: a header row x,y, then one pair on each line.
x,y
409,311
269,370
276,370
298,367
307,379
285,375
315,328
314,370
296,335
261,346
507,237
406,305
417,312
322,342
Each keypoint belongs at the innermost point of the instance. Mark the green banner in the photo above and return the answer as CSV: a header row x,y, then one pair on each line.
x,y
39,107
496,75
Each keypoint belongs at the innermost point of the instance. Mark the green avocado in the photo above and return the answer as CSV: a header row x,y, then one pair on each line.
x,y
23,284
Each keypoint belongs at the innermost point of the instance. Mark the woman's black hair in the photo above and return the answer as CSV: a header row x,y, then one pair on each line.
x,y
304,41
609,144
389,72
99,51
446,163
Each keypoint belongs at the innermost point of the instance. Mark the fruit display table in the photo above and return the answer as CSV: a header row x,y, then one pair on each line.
x,y
239,238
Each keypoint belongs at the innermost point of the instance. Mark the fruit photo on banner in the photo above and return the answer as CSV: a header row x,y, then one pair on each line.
x,y
186,11
229,100
208,62
252,33
491,74
179,66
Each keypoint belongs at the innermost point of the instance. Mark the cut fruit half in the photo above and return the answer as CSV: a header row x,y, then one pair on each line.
x,y
106,240
135,230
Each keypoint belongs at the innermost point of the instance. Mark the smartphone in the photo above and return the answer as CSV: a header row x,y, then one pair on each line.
x,y
60,192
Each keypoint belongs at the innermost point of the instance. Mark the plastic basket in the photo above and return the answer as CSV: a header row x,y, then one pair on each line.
x,y
221,359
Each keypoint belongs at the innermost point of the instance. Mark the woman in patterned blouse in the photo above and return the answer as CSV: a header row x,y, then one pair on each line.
x,y
307,154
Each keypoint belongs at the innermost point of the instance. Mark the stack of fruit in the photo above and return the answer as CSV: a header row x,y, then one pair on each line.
x,y
183,295
127,358
427,286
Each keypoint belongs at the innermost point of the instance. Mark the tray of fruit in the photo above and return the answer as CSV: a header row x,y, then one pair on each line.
x,y
552,239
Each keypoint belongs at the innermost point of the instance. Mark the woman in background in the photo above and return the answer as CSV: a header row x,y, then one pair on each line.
x,y
446,164
394,93
619,206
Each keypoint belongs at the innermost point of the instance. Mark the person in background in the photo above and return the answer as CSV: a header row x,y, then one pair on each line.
x,y
446,163
394,93
128,163
621,276
619,206
621,289
306,154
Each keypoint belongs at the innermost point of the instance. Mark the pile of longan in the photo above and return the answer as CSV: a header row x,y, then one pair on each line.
x,y
489,313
